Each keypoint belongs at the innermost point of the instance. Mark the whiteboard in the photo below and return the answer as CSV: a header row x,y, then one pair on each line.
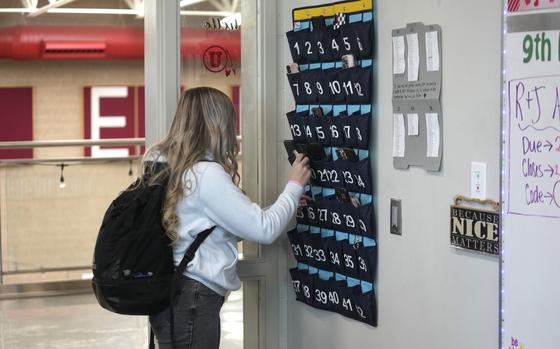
x,y
530,258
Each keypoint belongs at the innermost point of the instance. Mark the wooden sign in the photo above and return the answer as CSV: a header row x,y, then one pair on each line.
x,y
475,229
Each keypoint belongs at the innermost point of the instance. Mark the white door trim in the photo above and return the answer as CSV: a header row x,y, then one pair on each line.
x,y
161,66
260,178
162,86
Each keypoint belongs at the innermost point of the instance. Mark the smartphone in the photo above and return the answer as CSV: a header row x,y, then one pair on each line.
x,y
355,201
290,147
342,195
318,22
315,152
348,61
292,68
341,154
346,154
317,112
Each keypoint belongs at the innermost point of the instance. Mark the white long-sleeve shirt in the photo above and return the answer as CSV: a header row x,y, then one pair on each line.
x,y
211,199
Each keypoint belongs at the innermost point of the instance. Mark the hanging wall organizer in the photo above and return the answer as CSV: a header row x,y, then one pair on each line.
x,y
331,79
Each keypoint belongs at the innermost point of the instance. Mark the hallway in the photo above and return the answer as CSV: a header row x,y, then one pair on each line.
x,y
77,321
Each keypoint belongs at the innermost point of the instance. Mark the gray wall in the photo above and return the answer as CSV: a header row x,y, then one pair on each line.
x,y
430,295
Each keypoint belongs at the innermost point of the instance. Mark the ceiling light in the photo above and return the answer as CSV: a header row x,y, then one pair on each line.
x,y
112,11
30,3
185,3
52,4
233,21
207,13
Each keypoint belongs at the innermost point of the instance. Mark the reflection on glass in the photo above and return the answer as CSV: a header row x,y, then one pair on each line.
x,y
211,54
65,76
232,321
48,232
80,76
81,323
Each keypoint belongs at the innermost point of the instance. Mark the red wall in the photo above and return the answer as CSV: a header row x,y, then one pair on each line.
x,y
16,120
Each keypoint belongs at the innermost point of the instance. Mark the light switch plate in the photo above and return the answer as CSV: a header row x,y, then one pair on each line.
x,y
396,220
478,180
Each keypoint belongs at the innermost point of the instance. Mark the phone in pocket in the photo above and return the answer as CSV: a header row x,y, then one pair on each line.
x,y
317,112
342,195
348,61
315,152
355,200
292,68
347,154
318,22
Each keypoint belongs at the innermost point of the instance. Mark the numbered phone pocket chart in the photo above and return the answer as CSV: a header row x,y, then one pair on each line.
x,y
331,79
417,114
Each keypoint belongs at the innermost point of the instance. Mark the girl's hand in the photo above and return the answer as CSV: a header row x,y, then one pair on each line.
x,y
300,169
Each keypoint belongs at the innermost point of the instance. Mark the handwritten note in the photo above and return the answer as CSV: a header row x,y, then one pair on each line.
x,y
412,124
413,57
534,146
398,55
432,135
398,135
432,51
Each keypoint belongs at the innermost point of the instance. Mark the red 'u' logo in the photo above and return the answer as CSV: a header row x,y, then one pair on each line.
x,y
215,59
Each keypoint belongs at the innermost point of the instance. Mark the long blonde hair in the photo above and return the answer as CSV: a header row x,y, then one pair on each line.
x,y
204,124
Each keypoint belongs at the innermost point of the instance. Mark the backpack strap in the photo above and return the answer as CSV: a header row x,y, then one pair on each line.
x,y
189,255
187,258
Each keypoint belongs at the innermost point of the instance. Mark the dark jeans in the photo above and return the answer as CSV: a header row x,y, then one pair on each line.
x,y
196,316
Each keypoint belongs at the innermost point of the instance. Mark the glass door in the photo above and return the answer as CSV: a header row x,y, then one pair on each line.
x,y
223,58
229,57
83,92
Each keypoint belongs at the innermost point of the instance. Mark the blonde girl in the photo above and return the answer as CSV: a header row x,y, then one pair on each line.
x,y
200,150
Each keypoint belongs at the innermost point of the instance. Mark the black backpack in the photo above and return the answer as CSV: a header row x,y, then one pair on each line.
x,y
133,268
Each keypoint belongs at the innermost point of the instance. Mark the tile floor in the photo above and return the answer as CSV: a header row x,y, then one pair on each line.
x,y
71,322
